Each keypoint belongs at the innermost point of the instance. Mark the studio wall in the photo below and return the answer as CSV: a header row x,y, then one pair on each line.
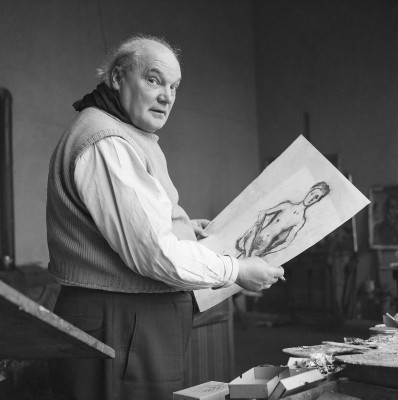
x,y
337,61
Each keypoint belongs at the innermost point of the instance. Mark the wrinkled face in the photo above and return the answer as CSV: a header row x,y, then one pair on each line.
x,y
147,91
313,196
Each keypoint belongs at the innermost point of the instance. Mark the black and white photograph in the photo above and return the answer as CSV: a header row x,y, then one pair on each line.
x,y
198,199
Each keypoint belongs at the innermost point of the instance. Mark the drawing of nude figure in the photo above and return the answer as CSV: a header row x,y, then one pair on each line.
x,y
278,226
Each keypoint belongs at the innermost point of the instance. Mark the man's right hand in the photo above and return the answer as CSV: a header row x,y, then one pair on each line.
x,y
255,274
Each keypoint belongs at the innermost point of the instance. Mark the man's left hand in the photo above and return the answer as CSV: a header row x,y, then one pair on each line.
x,y
199,226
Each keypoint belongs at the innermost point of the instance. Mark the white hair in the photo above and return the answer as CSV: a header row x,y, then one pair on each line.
x,y
129,53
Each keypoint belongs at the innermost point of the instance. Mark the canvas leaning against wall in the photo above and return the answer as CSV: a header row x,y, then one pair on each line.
x,y
383,218
296,201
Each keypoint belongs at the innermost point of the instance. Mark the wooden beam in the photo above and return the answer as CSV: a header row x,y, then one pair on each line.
x,y
30,331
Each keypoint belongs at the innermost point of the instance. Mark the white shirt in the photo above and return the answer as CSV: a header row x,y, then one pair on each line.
x,y
133,213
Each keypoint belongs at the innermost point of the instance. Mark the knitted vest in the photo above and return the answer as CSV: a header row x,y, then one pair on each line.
x,y
79,255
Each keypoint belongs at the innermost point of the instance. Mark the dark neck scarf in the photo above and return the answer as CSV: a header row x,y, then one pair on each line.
x,y
105,99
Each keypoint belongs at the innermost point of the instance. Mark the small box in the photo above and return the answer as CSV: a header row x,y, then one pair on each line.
x,y
296,383
258,382
211,390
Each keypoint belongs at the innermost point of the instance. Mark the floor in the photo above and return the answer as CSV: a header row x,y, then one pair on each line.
x,y
262,342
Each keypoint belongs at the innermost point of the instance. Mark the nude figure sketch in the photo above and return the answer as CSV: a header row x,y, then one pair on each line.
x,y
278,226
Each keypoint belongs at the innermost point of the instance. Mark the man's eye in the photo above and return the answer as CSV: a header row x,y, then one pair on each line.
x,y
153,81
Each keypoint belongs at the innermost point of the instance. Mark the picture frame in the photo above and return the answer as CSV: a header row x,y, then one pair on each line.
x,y
383,218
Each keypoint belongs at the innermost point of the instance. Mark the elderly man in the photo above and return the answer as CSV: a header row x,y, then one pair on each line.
x,y
122,248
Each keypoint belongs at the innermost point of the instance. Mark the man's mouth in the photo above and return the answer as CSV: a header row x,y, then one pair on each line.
x,y
159,112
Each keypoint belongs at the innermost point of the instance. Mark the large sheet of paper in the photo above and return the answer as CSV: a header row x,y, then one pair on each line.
x,y
295,202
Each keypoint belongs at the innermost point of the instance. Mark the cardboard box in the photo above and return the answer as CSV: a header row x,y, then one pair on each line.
x,y
258,382
211,390
296,383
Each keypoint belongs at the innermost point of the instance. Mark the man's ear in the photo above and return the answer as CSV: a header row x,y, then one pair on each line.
x,y
116,77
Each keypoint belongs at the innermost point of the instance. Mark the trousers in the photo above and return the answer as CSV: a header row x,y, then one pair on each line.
x,y
149,332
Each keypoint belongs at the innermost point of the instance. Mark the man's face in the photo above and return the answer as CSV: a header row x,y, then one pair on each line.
x,y
313,196
147,91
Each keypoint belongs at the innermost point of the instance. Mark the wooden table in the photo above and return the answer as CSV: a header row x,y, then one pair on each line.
x,y
378,366
30,331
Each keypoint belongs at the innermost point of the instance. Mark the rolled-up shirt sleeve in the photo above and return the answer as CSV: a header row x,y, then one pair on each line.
x,y
133,212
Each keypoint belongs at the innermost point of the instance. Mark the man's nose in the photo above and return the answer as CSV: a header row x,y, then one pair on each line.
x,y
166,96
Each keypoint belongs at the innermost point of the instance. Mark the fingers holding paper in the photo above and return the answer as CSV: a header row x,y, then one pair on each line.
x,y
199,226
255,274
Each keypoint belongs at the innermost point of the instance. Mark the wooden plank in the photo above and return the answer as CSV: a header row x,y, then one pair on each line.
x,y
378,367
308,351
374,375
371,358
30,331
385,355
366,391
375,362
350,388
349,346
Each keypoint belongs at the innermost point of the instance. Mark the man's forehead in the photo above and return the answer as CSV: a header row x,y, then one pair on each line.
x,y
163,70
155,55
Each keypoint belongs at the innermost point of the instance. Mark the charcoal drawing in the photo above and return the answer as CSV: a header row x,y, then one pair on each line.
x,y
278,226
